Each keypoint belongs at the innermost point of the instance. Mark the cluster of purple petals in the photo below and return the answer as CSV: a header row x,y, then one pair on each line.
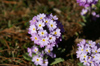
x,y
89,53
86,3
45,31
90,10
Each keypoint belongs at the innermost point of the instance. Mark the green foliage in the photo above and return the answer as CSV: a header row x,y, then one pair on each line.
x,y
57,60
26,56
80,64
82,24
62,36
84,18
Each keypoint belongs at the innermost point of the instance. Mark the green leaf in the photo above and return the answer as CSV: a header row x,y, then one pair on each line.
x,y
27,57
80,64
57,60
82,23
84,18
62,36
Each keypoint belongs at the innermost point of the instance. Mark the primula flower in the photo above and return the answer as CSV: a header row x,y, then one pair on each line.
x,y
52,38
57,33
42,33
32,29
46,32
29,50
46,20
93,13
35,38
33,21
41,16
35,49
97,15
86,3
91,43
52,25
40,25
37,60
48,50
45,62
46,26
43,42
84,11
88,53
53,17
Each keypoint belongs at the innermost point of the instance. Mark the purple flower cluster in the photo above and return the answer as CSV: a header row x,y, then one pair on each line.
x,y
46,32
91,10
86,3
89,53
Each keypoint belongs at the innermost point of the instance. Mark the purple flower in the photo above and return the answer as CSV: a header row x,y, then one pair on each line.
x,y
35,49
33,21
42,33
84,11
53,17
52,25
57,33
86,3
46,32
88,53
97,15
29,51
46,20
82,43
41,16
48,50
45,62
93,13
32,29
43,42
40,25
52,38
35,38
91,43
37,60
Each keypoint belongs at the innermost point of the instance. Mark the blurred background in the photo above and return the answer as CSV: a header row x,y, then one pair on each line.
x,y
14,24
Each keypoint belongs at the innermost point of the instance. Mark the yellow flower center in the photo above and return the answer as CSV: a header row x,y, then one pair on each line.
x,y
84,61
35,38
90,61
84,56
81,49
46,21
87,50
48,51
33,20
43,39
33,28
41,18
42,33
93,6
90,44
44,61
93,56
85,12
50,38
96,51
35,49
37,59
55,33
39,25
51,25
